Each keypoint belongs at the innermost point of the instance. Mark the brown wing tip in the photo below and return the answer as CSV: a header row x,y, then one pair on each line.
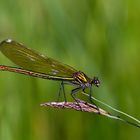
x,y
6,41
9,42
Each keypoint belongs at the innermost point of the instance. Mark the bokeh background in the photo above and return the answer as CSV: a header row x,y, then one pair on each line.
x,y
101,38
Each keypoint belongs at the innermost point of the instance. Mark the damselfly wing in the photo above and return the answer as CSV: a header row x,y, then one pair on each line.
x,y
37,65
31,60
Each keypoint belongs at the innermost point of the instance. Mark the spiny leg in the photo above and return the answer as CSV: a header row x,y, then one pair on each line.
x,y
62,89
74,91
59,92
90,95
62,83
90,98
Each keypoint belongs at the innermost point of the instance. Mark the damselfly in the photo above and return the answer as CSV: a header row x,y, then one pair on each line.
x,y
33,64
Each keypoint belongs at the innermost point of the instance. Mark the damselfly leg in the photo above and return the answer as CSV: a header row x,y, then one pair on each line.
x,y
73,94
74,91
62,89
90,97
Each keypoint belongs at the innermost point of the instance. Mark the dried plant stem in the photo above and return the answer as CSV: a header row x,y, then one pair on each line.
x,y
81,105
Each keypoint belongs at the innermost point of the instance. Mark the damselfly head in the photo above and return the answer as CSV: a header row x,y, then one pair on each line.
x,y
96,81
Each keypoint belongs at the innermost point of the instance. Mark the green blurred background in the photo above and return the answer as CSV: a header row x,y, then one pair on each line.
x,y
99,37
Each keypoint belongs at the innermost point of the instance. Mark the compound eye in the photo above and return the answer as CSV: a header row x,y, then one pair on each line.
x,y
96,81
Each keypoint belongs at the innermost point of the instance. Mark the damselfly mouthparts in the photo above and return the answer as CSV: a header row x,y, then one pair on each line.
x,y
33,64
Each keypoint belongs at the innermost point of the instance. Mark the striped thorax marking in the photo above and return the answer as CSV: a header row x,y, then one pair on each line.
x,y
80,77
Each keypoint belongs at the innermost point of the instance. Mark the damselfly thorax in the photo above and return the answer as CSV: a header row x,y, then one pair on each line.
x,y
84,81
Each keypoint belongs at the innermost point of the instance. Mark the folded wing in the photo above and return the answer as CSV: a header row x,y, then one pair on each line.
x,y
30,60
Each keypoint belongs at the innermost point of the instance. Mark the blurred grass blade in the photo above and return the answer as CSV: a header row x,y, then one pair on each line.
x,y
121,112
